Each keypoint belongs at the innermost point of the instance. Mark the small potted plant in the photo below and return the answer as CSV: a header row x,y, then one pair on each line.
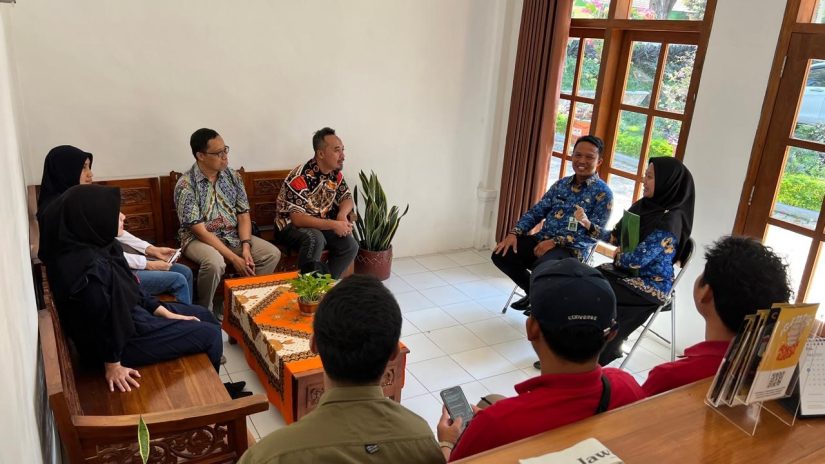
x,y
375,228
310,288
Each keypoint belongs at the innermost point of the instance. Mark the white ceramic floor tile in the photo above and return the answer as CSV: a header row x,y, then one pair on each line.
x,y
474,391
502,384
408,328
251,427
468,311
412,387
439,373
421,348
656,346
483,362
494,303
485,270
518,352
467,257
225,378
456,275
430,319
642,360
404,266
266,421
425,406
531,372
253,384
479,289
516,320
436,262
235,360
641,376
455,339
502,282
445,295
424,280
397,285
494,331
412,301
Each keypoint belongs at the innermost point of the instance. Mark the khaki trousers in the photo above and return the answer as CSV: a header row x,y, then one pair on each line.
x,y
212,265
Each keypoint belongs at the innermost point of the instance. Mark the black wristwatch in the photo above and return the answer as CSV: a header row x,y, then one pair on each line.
x,y
249,241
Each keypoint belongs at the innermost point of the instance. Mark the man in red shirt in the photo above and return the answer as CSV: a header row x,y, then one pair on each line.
x,y
741,276
573,316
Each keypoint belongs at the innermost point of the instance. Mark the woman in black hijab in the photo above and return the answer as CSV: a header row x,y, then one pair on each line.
x,y
67,166
643,278
100,304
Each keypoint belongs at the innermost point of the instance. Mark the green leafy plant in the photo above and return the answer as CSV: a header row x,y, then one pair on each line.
x,y
375,227
802,191
143,440
311,286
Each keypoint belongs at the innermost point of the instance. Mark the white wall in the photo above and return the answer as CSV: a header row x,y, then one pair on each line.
x,y
728,106
19,389
408,86
419,92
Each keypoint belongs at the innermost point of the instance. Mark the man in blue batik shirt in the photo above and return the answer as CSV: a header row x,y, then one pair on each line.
x,y
561,236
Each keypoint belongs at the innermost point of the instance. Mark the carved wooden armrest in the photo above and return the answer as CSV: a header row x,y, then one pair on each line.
x,y
112,428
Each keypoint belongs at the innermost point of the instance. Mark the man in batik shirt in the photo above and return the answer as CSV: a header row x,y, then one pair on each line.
x,y
215,227
314,206
561,236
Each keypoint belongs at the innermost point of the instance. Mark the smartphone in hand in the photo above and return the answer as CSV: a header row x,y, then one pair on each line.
x,y
457,405
174,257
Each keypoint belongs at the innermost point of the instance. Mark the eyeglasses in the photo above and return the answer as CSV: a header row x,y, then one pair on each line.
x,y
223,153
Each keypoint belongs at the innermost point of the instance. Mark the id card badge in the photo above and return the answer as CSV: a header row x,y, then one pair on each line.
x,y
572,224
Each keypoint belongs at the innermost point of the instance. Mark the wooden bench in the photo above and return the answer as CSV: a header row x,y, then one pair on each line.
x,y
149,206
190,416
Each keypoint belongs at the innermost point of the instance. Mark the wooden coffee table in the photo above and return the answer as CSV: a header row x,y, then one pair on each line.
x,y
261,313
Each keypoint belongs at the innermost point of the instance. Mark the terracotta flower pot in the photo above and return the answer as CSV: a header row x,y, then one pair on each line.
x,y
307,309
374,263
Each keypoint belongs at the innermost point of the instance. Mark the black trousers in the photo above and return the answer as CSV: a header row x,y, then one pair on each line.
x,y
310,243
632,310
159,339
517,265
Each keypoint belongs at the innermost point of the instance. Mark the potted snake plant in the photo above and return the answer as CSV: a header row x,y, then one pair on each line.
x,y
310,288
375,228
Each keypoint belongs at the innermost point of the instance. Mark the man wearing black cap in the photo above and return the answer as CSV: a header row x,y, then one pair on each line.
x,y
573,317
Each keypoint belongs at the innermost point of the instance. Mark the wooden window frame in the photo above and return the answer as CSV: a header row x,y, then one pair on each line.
x,y
797,20
618,32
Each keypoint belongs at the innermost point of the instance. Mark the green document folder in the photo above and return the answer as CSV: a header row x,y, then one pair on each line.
x,y
629,232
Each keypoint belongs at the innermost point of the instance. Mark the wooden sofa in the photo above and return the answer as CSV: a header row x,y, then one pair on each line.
x,y
190,416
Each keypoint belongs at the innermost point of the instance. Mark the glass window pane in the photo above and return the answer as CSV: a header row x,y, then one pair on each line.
x,y
629,141
793,248
554,173
819,12
802,188
591,9
568,167
562,115
581,122
816,290
688,10
570,59
665,137
622,197
591,61
810,118
676,79
643,60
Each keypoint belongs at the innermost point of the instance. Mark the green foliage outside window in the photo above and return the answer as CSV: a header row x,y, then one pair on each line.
x,y
802,191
